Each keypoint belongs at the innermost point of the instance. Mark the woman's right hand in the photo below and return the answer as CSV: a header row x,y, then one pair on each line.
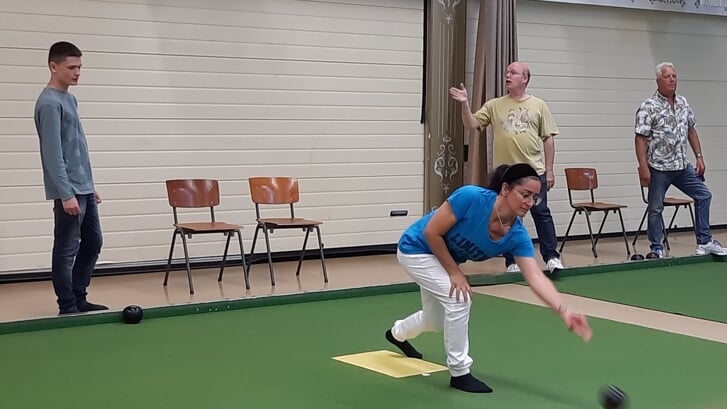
x,y
460,287
577,323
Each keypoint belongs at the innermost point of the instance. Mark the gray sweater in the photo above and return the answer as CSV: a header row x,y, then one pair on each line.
x,y
63,147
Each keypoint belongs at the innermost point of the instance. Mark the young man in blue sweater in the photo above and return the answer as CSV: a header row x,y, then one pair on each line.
x,y
68,181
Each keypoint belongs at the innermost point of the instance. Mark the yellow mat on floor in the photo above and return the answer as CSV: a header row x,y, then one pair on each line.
x,y
390,363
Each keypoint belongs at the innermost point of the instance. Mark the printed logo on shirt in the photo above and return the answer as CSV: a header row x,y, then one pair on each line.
x,y
464,249
518,120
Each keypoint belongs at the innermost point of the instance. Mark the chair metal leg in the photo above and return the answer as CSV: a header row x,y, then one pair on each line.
x,y
673,216
666,235
590,233
270,256
641,224
691,214
252,250
224,255
623,230
302,252
567,231
244,264
186,260
600,228
171,253
323,258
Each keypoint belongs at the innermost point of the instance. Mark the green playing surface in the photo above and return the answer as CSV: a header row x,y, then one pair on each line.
x,y
696,290
280,357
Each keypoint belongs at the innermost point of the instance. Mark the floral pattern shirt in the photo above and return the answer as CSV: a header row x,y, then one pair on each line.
x,y
667,128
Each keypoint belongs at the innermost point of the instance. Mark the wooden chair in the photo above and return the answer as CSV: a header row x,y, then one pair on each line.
x,y
674,202
200,193
278,191
580,179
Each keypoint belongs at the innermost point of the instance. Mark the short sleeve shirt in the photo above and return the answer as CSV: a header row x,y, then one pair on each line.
x,y
469,238
667,129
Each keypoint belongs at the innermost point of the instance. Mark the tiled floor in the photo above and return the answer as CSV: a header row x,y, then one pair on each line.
x,y
36,299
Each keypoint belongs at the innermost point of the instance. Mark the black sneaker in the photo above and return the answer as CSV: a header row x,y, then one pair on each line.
x,y
404,346
469,383
85,306
67,311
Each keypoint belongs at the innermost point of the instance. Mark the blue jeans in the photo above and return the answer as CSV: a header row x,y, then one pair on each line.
x,y
76,246
688,182
544,226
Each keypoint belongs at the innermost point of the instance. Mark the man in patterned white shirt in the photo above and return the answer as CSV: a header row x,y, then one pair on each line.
x,y
664,124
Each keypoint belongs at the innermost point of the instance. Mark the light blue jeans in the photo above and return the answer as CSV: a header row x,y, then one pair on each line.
x,y
688,182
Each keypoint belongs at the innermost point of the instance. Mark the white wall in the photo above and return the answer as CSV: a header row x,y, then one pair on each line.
x,y
328,91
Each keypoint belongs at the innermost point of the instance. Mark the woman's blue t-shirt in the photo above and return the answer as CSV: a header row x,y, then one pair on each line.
x,y
469,238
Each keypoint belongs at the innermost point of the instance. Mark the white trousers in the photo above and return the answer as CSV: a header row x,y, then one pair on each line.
x,y
439,311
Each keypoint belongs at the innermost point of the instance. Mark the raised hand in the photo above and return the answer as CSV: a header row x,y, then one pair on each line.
x,y
459,94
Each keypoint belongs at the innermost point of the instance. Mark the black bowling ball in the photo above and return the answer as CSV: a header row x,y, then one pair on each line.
x,y
612,397
132,314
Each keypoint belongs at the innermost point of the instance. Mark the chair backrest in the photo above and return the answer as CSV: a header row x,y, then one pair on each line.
x,y
581,178
274,190
193,193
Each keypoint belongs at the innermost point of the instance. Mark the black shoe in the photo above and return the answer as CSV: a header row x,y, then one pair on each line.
x,y
405,346
655,254
67,311
86,306
469,383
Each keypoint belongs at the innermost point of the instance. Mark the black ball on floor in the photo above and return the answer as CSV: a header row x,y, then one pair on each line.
x,y
612,397
132,314
637,256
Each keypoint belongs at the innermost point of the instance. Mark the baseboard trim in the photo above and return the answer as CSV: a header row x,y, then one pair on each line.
x,y
155,266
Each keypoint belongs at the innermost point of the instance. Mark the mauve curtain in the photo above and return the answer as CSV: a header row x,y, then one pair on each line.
x,y
496,48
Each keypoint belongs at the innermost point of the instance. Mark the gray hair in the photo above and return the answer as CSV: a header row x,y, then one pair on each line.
x,y
661,66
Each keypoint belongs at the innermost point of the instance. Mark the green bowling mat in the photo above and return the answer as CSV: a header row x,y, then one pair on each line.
x,y
698,290
281,357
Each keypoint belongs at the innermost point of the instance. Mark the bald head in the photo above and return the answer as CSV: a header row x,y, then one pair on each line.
x,y
521,67
517,78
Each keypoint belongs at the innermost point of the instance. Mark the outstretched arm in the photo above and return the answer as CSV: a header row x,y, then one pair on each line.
x,y
546,291
460,95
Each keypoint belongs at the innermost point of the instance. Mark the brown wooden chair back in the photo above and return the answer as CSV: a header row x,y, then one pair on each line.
x,y
581,178
274,190
191,193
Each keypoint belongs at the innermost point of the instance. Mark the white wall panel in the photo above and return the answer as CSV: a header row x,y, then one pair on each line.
x,y
594,65
328,91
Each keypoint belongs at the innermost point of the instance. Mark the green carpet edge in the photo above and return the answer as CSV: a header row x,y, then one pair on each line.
x,y
48,323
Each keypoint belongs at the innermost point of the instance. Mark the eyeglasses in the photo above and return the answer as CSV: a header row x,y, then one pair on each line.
x,y
528,196
512,72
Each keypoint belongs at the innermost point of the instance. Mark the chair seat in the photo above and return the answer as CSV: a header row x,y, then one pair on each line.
x,y
598,206
284,222
674,201
207,227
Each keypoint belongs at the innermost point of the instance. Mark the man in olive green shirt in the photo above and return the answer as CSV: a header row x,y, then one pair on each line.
x,y
524,131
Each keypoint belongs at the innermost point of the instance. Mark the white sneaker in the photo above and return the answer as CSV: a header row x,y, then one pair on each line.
x,y
513,268
713,247
555,265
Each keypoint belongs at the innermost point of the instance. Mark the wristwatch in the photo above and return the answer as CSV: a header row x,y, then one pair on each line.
x,y
699,155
